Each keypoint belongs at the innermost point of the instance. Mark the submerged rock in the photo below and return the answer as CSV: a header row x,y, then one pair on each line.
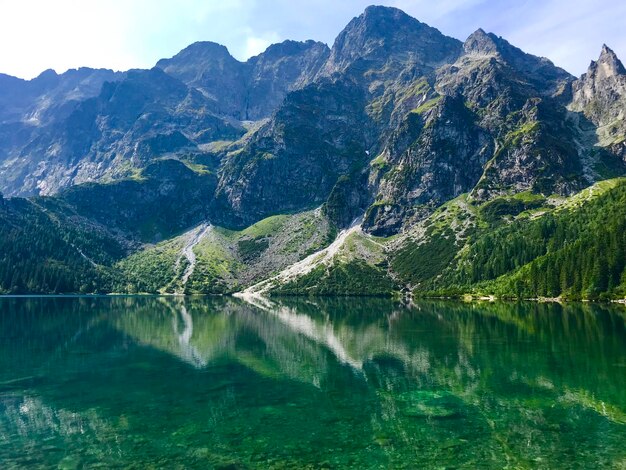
x,y
430,405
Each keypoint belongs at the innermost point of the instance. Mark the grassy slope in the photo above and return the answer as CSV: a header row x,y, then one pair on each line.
x,y
228,260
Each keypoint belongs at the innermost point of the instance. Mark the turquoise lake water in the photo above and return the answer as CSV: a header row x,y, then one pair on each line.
x,y
350,383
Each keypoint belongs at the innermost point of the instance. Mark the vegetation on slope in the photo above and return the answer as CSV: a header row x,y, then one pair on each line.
x,y
576,250
519,246
150,271
227,260
354,278
359,268
73,242
39,254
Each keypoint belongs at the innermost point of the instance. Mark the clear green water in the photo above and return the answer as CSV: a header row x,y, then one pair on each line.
x,y
218,383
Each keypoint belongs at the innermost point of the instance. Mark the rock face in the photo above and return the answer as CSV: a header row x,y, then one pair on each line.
x,y
282,68
600,94
319,134
392,122
250,90
386,43
168,198
45,97
30,109
603,80
209,68
489,123
89,125
145,116
433,157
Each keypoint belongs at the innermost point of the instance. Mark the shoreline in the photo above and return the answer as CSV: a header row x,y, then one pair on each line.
x,y
244,296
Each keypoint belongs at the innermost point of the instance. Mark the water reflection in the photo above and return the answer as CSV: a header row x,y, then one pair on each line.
x,y
341,383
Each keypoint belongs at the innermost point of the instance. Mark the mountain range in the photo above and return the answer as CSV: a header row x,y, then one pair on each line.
x,y
398,160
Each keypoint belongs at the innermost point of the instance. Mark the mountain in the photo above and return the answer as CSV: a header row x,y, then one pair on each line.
x,y
398,159
600,95
96,125
132,122
250,90
29,109
326,131
387,44
49,94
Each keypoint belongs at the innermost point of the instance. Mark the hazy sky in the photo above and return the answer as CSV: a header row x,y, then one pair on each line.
x,y
121,34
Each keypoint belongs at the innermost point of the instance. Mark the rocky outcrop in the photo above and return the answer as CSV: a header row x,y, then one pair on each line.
x,y
166,199
538,72
477,129
536,154
600,94
435,156
319,134
348,200
387,44
209,68
282,68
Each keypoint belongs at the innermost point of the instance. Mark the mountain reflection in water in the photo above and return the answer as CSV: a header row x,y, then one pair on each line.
x,y
341,383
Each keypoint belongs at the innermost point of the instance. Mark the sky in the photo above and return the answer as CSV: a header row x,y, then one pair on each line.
x,y
122,34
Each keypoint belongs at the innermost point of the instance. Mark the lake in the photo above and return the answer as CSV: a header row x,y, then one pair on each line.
x,y
310,383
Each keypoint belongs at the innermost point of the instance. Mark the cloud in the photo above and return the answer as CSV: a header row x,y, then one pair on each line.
x,y
255,45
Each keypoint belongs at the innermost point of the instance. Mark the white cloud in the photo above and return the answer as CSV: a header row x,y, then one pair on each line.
x,y
255,44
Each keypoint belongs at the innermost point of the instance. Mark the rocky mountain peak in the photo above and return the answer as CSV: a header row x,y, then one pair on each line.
x,y
47,78
377,25
205,49
190,64
282,68
607,72
387,38
481,42
47,74
608,65
374,14
246,90
601,93
544,76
